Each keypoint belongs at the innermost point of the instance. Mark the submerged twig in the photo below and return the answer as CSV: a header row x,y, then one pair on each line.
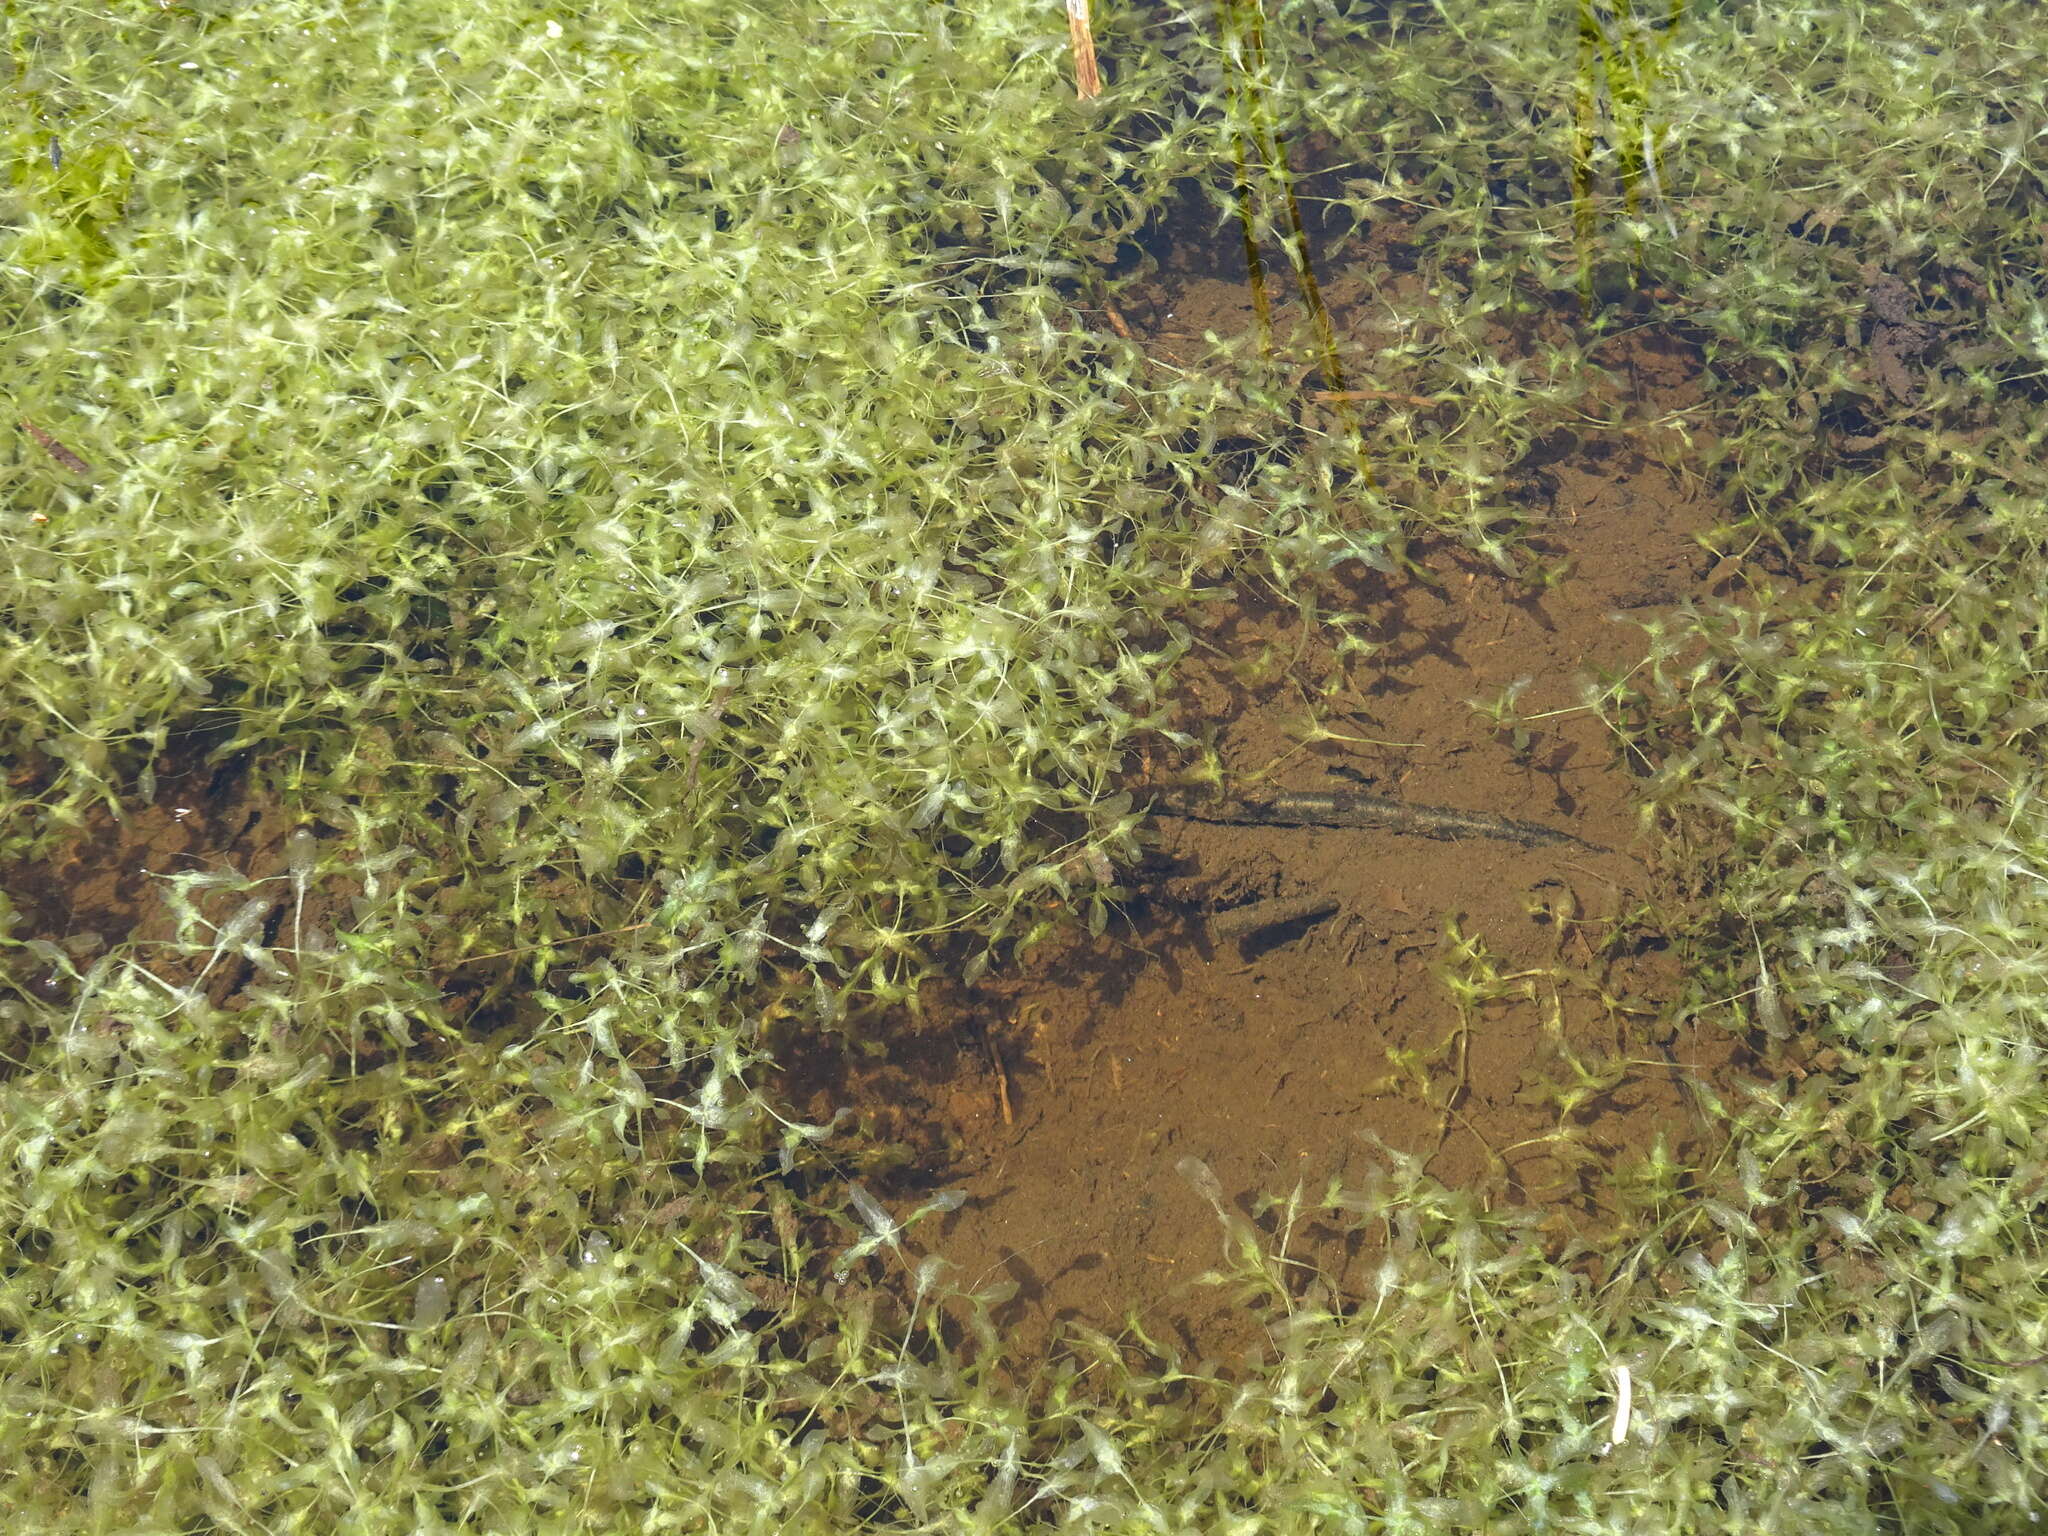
x,y
1263,916
1334,396
1081,33
995,1059
1361,808
56,450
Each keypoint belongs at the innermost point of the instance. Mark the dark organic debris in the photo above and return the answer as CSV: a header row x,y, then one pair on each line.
x,y
1362,808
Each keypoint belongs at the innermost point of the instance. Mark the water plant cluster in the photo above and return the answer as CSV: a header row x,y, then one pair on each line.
x,y
651,494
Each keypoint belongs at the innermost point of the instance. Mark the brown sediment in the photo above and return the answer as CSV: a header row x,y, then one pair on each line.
x,y
1271,1003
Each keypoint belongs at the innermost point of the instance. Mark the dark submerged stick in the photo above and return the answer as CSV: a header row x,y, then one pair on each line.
x,y
56,450
1361,808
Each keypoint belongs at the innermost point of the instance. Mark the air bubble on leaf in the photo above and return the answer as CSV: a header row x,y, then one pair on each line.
x,y
533,735
430,1301
246,921
1199,1174
732,1298
879,1221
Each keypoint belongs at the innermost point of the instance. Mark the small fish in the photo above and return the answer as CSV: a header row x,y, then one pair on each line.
x,y
56,154
57,450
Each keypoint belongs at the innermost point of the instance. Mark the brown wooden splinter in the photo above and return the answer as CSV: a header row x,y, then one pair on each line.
x,y
1362,808
995,1058
56,450
1347,396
